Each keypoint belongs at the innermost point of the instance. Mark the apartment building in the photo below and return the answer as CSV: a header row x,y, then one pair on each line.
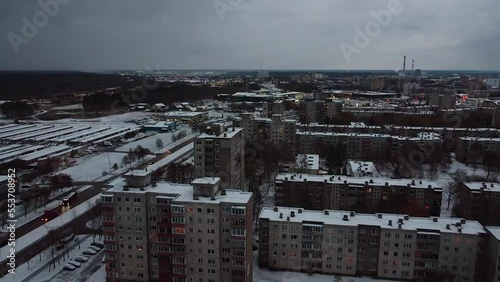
x,y
479,201
311,110
493,259
273,108
277,130
474,149
362,194
442,101
220,152
356,145
177,232
306,163
388,246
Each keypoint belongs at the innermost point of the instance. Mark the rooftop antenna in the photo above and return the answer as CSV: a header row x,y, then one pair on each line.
x,y
412,65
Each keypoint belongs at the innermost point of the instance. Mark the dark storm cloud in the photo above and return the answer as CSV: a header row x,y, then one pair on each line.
x,y
278,34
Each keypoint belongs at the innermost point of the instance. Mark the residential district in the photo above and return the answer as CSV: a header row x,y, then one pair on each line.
x,y
316,176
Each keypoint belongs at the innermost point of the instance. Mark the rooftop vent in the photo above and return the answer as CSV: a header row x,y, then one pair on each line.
x,y
400,221
406,217
379,215
400,225
458,224
387,184
300,210
212,198
420,182
325,181
459,229
292,214
371,180
287,218
462,221
352,214
195,197
281,215
286,178
412,182
435,219
339,178
326,212
448,226
429,186
223,192
492,185
345,217
275,209
153,184
390,222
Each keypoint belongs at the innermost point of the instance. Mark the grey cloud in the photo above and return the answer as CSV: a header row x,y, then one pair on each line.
x,y
278,34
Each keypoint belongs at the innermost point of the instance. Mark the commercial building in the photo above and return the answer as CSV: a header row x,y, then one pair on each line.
x,y
220,152
177,232
388,246
361,194
479,201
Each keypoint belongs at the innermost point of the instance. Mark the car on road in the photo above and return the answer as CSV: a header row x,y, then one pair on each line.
x,y
97,249
75,263
89,252
81,259
69,267
97,244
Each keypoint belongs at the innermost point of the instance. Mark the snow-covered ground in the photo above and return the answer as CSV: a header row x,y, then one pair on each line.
x,y
55,223
91,168
99,275
150,142
69,107
264,275
39,263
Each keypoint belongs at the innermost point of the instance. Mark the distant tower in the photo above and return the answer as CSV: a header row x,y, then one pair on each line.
x,y
404,64
412,65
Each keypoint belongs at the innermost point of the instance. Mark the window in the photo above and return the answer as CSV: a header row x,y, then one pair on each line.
x,y
238,210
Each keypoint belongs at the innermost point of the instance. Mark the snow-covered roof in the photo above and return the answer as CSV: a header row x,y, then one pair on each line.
x,y
366,135
183,193
483,186
334,217
44,152
181,114
372,181
307,161
206,180
360,168
480,139
225,135
494,230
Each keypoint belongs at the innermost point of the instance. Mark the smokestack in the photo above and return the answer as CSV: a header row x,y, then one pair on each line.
x,y
404,64
412,64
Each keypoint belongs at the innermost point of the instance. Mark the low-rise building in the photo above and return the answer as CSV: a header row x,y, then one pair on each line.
x,y
306,163
389,246
361,169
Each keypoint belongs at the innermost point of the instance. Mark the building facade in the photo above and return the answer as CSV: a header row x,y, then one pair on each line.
x,y
220,152
479,201
362,194
177,232
388,246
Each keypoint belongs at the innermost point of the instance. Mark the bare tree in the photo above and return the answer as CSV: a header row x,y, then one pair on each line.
x,y
159,144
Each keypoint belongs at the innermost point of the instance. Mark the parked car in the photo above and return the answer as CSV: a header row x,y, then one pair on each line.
x,y
97,244
89,252
97,249
69,267
81,259
75,263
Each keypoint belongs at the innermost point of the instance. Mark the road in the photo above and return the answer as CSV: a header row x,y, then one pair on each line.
x,y
40,244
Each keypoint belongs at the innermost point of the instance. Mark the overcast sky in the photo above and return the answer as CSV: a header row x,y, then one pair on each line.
x,y
272,34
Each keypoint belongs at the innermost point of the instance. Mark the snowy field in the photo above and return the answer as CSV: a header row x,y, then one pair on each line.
x,y
150,142
91,168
